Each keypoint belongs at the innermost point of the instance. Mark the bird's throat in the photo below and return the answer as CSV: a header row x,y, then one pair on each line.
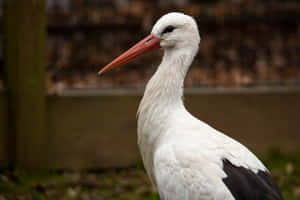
x,y
163,93
165,88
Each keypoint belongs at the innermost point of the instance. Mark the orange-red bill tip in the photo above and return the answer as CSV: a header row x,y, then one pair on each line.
x,y
148,44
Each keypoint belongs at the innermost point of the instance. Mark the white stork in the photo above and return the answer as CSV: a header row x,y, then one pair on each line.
x,y
185,158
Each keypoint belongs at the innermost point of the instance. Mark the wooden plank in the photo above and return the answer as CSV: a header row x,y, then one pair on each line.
x,y
99,131
92,132
24,46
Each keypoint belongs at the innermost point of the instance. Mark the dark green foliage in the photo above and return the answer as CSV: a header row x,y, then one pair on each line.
x,y
122,184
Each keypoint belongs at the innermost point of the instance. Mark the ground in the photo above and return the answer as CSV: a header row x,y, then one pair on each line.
x,y
121,184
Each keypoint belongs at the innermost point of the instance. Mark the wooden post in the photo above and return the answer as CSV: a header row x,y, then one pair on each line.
x,y
24,57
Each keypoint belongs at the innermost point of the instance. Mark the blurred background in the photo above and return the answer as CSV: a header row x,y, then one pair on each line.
x,y
244,42
66,133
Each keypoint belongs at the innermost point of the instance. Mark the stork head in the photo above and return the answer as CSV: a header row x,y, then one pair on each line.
x,y
176,30
171,31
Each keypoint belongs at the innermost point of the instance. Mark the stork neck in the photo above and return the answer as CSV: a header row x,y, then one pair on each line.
x,y
163,95
166,85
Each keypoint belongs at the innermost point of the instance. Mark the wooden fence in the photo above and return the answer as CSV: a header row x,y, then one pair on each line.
x,y
98,130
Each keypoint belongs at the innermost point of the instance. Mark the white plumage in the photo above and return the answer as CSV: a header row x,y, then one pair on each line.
x,y
184,157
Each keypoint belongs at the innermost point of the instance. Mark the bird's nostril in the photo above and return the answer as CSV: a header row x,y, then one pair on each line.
x,y
148,40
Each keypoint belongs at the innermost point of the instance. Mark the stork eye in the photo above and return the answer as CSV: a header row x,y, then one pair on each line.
x,y
168,29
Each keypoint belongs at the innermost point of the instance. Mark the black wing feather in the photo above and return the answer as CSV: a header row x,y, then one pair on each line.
x,y
245,184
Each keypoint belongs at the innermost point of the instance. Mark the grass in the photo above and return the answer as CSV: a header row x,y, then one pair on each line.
x,y
121,184
286,170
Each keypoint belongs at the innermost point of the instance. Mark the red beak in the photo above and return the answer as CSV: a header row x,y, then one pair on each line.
x,y
148,44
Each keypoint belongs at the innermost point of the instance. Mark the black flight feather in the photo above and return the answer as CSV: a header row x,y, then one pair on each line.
x,y
244,184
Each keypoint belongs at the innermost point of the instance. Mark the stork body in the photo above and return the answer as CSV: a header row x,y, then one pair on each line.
x,y
184,157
